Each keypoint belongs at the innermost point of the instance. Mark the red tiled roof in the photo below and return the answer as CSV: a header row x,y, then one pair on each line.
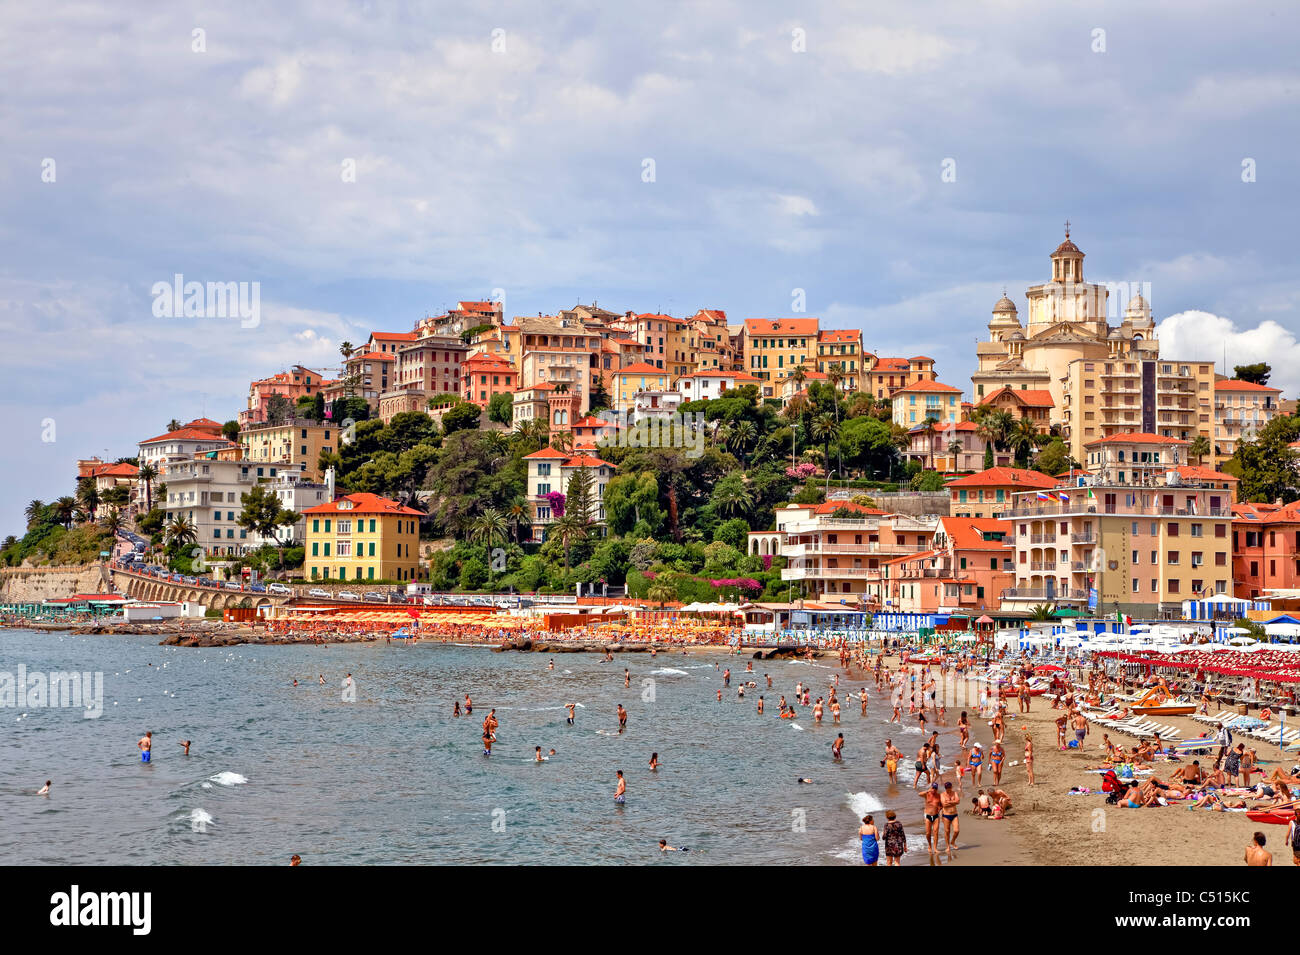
x,y
1005,477
891,364
363,503
203,424
185,434
546,453
1194,473
368,355
929,386
1136,437
839,335
1267,513
967,533
656,317
1032,397
124,469
640,368
1232,384
480,306
920,358
781,326
923,555
394,336
583,460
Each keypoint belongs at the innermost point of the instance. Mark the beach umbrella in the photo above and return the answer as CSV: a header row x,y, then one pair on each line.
x,y
1048,668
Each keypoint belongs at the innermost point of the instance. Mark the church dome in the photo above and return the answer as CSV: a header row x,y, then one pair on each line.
x,y
1016,336
1138,308
1067,247
1004,312
1004,305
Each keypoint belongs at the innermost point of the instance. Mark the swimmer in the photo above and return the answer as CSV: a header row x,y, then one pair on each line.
x,y
719,696
552,752
44,790
551,665
627,677
295,859
620,793
185,744
295,681
570,707
665,847
760,706
322,679
469,704
455,709
803,780
146,746
622,718
654,762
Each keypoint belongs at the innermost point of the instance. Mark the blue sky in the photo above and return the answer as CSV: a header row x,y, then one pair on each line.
x,y
520,168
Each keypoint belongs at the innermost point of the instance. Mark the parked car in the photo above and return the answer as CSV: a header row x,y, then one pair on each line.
x,y
371,595
233,585
279,589
346,595
257,588
323,594
190,580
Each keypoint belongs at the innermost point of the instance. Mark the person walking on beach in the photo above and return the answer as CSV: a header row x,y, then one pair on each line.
x,y
948,800
922,765
892,756
870,841
1256,854
146,746
1029,758
933,808
895,839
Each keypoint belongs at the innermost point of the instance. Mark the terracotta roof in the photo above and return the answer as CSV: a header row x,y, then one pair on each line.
x,y
203,423
185,434
781,326
363,503
892,364
656,317
583,460
967,533
591,421
394,336
1005,477
920,358
481,306
839,335
923,555
124,469
641,368
376,355
1194,473
941,428
1267,513
722,373
929,386
1136,437
1232,384
1033,398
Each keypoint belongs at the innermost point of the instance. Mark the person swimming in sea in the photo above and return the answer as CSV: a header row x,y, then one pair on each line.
x,y
620,791
146,747
44,790
570,707
185,744
665,847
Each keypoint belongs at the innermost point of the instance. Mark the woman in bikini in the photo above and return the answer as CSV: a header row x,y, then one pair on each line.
x,y
963,726
975,763
1029,758
996,756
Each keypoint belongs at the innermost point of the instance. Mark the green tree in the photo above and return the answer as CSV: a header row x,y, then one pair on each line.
x,y
181,531
661,593
230,431
148,474
1053,458
1198,449
34,511
568,529
1257,373
501,408
579,496
732,496
113,521
462,416
489,529
278,409
263,515
826,430
88,496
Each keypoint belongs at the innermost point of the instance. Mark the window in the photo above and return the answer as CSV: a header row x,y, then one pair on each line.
x,y
1134,529
1196,530
1135,585
1134,559
1221,559
1173,585
1173,529
1172,557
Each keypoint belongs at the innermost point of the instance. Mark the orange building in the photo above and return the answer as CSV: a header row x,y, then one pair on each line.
x,y
990,493
483,377
1036,405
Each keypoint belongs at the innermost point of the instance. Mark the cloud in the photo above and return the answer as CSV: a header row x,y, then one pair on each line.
x,y
1195,334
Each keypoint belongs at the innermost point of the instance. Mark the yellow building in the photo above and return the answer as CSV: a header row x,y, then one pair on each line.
x,y
629,381
669,343
1241,409
362,537
296,445
1117,395
774,347
843,347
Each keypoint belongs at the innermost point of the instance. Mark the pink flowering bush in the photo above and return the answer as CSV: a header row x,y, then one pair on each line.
x,y
802,471
556,500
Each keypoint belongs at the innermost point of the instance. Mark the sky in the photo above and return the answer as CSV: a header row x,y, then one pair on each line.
x,y
366,164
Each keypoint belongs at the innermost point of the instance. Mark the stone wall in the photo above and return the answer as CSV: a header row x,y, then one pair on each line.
x,y
22,584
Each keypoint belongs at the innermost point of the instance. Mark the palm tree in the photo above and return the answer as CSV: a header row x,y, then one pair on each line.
x,y
113,521
1041,612
660,593
1198,449
826,429
798,374
1021,437
562,441
518,514
955,448
569,528
173,425
488,529
732,495
181,530
741,434
346,348
147,474
64,510
88,496
927,428
33,512
834,375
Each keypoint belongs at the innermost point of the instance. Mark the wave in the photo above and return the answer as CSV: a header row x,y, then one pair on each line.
x,y
199,819
863,803
668,671
228,778
796,726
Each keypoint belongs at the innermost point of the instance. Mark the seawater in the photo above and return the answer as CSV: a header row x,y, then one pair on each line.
x,y
394,778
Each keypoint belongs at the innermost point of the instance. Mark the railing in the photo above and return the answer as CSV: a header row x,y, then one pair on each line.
x,y
1042,538
810,550
1079,566
1082,538
1042,565
1042,593
803,573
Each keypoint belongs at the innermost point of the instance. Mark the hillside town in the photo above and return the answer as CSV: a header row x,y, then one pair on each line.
x,y
776,461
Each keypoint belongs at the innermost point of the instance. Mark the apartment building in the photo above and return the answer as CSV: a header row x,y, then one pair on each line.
x,y
1034,404
1111,547
362,537
370,373
638,378
1106,397
1265,548
195,437
967,569
913,404
949,448
842,347
294,445
774,347
836,550
484,377
712,342
549,473
989,494
667,343
1135,458
884,376
1241,409
297,382
714,383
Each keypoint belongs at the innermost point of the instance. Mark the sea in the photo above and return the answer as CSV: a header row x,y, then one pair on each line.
x,y
384,773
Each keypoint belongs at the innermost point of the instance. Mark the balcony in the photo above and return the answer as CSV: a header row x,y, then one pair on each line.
x,y
1082,538
1065,595
873,547
1042,538
830,573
